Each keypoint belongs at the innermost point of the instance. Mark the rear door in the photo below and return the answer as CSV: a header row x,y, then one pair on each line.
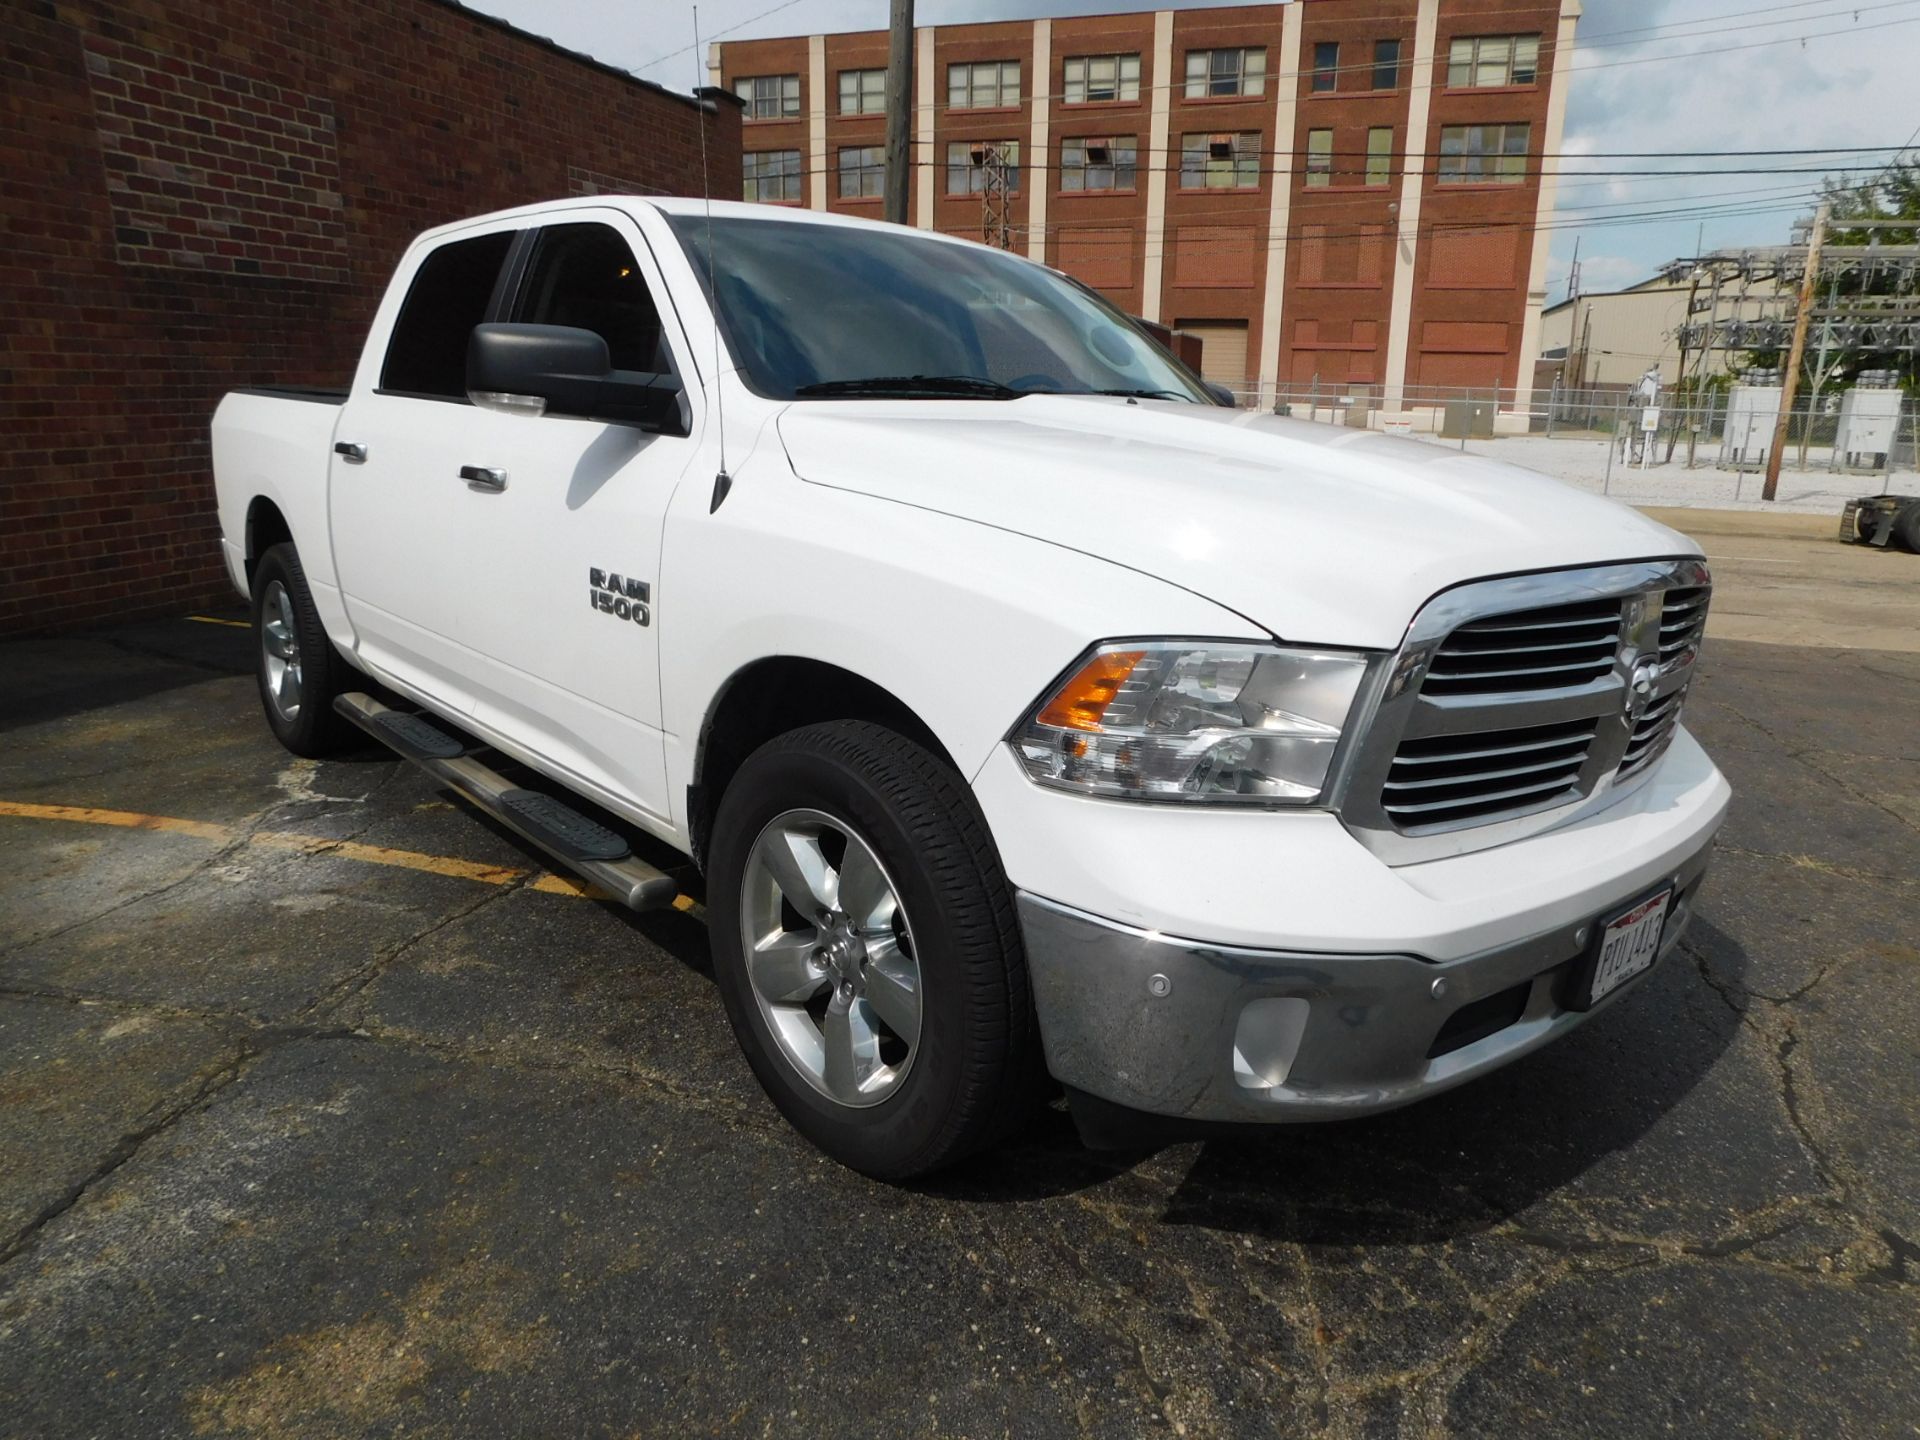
x,y
408,537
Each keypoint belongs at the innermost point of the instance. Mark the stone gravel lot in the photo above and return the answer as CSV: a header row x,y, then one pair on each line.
x,y
299,1139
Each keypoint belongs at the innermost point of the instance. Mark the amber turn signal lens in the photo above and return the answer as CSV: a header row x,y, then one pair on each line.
x,y
1082,701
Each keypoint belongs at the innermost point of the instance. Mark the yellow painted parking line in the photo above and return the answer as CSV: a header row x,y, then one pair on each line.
x,y
124,819
216,620
545,882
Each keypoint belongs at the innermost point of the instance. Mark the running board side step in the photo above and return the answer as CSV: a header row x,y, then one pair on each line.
x,y
584,846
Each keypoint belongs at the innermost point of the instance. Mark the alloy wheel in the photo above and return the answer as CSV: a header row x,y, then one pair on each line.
x,y
830,957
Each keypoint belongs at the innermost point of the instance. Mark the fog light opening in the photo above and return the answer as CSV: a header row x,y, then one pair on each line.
x,y
1266,1040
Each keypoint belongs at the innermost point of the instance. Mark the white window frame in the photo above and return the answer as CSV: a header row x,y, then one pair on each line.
x,y
1121,169
1500,164
869,171
969,80
761,168
869,91
769,97
1242,165
1491,62
960,162
1078,80
1248,72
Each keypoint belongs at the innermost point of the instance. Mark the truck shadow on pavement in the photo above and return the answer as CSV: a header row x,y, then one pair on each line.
x,y
1461,1163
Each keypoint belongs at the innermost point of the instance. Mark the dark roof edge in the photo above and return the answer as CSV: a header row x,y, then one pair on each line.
x,y
698,101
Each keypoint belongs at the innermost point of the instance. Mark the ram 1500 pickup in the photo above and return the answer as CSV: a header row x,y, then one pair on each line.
x,y
1025,709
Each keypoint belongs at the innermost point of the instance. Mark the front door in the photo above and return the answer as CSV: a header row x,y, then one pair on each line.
x,y
566,606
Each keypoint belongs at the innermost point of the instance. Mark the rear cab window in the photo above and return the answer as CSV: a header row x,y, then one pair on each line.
x,y
450,294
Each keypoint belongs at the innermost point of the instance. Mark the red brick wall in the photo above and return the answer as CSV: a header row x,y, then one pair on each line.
x,y
194,197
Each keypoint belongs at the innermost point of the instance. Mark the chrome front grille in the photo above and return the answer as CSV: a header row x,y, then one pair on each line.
x,y
1651,732
1515,703
1449,779
1683,618
1533,650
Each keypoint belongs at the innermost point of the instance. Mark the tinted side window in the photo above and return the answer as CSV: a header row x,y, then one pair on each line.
x,y
428,352
585,276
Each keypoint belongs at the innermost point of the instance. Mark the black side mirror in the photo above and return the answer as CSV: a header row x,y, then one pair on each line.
x,y
559,370
1221,394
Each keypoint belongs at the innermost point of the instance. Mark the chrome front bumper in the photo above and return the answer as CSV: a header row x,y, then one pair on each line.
x,y
1219,1033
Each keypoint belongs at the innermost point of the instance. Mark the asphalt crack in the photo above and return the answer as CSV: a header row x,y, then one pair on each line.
x,y
210,1084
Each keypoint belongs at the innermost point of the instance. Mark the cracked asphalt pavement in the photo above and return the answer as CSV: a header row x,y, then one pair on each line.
x,y
305,1131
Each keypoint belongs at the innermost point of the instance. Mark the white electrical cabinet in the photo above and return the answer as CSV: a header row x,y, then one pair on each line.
x,y
1752,411
1869,423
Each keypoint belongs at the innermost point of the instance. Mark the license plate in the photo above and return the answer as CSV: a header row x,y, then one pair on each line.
x,y
1628,945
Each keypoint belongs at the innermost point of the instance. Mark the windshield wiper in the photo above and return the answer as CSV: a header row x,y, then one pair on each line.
x,y
1136,394
967,387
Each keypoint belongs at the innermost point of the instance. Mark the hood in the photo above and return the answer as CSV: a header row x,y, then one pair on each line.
x,y
1319,534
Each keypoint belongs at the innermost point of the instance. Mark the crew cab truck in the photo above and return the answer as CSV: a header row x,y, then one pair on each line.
x,y
1025,709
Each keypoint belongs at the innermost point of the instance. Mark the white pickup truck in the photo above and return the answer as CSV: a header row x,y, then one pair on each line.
x,y
1025,709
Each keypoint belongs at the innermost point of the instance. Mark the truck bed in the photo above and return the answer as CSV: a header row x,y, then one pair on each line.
x,y
317,394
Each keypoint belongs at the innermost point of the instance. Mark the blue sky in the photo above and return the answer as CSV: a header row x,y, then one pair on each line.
x,y
1660,75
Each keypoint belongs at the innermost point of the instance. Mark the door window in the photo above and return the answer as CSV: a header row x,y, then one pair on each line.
x,y
585,276
427,355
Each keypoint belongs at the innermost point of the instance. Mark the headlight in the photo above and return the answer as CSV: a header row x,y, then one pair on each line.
x,y
1208,723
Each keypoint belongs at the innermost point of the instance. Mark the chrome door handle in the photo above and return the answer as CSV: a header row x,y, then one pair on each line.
x,y
353,454
483,478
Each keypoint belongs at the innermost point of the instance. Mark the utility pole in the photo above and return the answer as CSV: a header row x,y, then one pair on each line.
x,y
899,111
1790,381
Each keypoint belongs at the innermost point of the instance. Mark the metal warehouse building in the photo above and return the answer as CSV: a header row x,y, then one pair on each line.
x,y
1329,193
208,195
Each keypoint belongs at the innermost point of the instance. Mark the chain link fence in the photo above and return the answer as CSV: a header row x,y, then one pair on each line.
x,y
1715,430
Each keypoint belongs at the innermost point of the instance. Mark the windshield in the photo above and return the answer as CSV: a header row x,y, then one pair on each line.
x,y
809,311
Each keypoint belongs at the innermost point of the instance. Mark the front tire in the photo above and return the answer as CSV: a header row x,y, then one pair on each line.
x,y
298,669
866,946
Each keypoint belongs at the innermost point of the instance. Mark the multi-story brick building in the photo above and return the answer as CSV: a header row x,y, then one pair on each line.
x,y
1335,195
209,195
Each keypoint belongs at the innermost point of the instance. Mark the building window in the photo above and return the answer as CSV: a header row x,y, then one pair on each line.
x,y
863,172
1093,78
1220,162
863,92
1477,61
769,97
1319,158
985,86
1326,65
770,174
1386,64
1379,154
1226,72
1483,154
968,160
1098,164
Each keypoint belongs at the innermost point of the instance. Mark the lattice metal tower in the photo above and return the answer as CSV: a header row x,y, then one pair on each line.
x,y
996,196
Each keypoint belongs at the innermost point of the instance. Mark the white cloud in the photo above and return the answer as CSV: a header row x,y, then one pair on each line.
x,y
1848,89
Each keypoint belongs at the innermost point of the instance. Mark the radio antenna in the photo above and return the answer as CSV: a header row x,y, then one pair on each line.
x,y
722,482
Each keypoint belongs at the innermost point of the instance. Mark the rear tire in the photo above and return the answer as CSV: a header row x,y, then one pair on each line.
x,y
900,828
299,671
1906,526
